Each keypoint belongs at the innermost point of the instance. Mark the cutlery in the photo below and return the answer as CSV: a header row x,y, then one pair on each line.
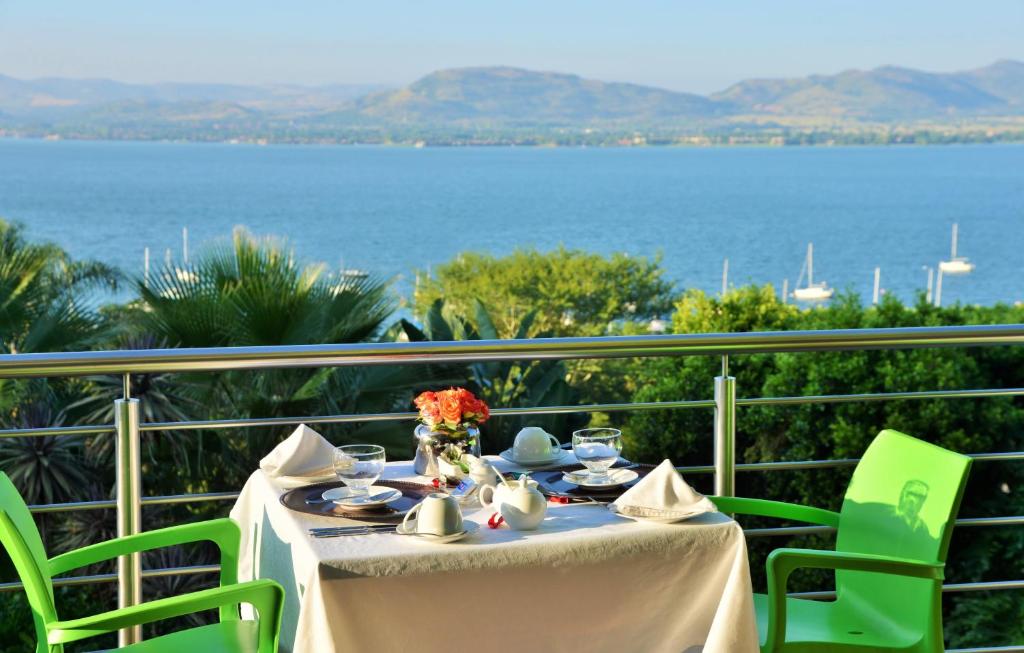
x,y
360,530
356,527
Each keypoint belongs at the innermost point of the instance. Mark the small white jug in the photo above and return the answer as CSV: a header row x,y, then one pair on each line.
x,y
519,503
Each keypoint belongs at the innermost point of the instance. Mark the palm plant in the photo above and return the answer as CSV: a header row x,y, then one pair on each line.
x,y
41,290
255,292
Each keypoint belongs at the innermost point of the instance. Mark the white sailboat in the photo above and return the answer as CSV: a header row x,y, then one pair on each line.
x,y
956,264
812,292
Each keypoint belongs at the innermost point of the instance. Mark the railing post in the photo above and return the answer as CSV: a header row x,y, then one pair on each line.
x,y
725,432
129,505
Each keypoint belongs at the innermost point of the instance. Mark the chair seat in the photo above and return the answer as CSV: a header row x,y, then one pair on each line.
x,y
818,626
225,637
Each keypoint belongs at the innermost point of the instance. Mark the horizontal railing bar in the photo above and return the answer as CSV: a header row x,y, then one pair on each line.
x,y
879,396
56,431
787,530
1014,520
69,581
142,361
146,501
189,498
383,417
534,410
42,508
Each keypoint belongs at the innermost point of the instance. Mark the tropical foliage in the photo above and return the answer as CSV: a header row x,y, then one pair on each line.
x,y
568,292
253,291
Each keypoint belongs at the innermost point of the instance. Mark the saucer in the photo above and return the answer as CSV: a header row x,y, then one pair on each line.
x,y
563,457
468,528
616,477
342,496
666,517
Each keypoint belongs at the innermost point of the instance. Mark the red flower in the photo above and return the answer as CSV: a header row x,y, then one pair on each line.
x,y
451,407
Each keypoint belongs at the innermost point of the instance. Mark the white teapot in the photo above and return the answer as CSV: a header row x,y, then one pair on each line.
x,y
519,503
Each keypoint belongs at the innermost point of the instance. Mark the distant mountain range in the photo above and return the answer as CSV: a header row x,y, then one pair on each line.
x,y
477,101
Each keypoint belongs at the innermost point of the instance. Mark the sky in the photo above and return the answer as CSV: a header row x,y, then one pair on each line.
x,y
687,45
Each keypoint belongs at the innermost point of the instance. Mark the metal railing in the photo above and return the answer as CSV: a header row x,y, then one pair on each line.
x,y
127,428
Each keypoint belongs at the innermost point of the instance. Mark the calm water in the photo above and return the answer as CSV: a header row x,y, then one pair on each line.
x,y
392,210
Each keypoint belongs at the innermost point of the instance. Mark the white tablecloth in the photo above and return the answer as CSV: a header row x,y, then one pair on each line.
x,y
586,580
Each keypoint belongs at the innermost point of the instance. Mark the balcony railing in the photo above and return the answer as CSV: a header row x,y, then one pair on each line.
x,y
128,429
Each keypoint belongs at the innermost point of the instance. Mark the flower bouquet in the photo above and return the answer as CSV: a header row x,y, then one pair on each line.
x,y
449,425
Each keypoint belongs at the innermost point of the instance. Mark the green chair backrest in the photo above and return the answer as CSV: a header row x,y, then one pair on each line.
x,y
20,537
902,501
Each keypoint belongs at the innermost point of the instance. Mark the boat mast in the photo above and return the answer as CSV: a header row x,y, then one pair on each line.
x,y
810,264
953,256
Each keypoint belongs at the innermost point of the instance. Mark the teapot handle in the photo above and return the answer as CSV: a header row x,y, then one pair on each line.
x,y
408,515
486,502
558,445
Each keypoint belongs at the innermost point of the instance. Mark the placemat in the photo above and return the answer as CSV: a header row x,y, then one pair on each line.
x,y
392,513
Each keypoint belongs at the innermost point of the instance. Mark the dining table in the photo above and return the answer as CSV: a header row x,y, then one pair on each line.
x,y
585,580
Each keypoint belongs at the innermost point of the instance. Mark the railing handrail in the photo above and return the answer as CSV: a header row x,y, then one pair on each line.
x,y
145,361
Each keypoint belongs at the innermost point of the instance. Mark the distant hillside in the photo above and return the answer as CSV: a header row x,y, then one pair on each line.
x,y
495,105
513,95
57,95
885,94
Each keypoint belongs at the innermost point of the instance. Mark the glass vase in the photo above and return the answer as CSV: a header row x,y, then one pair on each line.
x,y
430,444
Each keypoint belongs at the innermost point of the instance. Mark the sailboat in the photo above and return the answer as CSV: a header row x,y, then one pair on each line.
x,y
812,292
956,264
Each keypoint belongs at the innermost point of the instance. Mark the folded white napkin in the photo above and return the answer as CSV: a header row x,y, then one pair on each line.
x,y
304,453
663,493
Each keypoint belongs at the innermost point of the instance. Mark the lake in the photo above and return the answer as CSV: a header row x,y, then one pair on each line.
x,y
394,210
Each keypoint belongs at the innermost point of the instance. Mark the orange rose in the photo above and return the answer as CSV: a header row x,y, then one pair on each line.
x,y
451,407
427,397
482,411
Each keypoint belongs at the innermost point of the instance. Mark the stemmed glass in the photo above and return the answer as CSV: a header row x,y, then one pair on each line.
x,y
597,449
359,466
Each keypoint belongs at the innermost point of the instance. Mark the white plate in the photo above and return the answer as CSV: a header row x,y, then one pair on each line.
x,y
564,457
616,477
668,519
468,528
343,496
290,482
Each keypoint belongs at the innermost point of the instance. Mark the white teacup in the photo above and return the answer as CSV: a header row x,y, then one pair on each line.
x,y
437,514
534,443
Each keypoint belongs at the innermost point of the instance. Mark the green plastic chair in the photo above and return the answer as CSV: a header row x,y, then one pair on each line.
x,y
20,537
893,535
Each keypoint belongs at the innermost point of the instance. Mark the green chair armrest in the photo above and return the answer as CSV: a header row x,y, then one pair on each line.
x,y
777,509
222,532
783,562
266,596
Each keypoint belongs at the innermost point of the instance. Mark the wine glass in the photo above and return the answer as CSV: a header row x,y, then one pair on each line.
x,y
597,450
359,466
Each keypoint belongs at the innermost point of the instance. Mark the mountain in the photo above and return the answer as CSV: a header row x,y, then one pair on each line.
x,y
884,94
503,105
1004,79
513,95
58,95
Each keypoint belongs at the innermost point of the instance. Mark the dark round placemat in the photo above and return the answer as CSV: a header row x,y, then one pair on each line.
x,y
392,513
552,484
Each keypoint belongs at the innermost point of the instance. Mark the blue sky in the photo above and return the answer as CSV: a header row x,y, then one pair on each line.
x,y
695,45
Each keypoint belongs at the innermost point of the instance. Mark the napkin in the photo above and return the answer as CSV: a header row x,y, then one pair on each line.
x,y
663,493
304,453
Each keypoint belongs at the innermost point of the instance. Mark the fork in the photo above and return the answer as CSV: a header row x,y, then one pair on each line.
x,y
352,530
